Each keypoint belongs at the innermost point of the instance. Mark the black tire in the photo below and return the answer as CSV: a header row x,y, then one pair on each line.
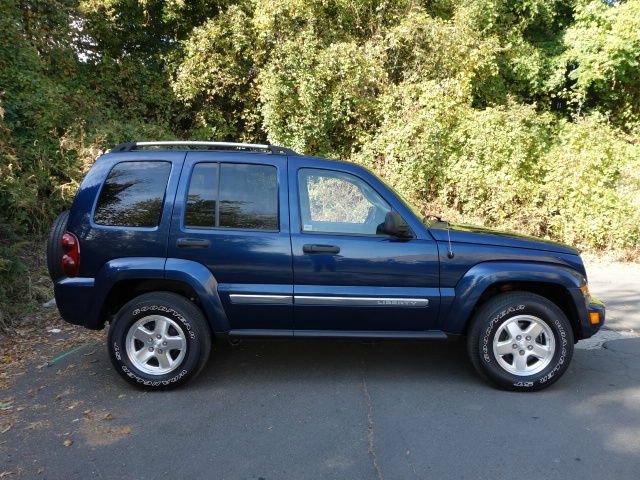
x,y
54,246
495,313
178,309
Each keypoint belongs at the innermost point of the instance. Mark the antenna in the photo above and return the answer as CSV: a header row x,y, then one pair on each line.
x,y
450,252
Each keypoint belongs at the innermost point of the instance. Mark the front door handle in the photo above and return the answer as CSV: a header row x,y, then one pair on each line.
x,y
309,248
193,243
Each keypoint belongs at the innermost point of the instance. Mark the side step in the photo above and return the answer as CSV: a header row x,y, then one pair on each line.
x,y
360,334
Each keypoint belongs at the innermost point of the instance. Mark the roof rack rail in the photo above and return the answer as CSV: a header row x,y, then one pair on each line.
x,y
129,146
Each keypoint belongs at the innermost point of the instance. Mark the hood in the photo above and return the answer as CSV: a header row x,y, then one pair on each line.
x,y
487,236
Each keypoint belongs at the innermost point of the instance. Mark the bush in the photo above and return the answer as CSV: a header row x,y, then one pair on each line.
x,y
591,190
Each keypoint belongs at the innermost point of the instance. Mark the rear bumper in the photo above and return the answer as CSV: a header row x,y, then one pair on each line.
x,y
75,299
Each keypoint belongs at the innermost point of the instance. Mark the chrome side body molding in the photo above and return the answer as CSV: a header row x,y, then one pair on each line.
x,y
249,299
245,299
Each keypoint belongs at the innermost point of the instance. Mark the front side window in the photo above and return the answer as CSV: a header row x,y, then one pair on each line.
x,y
133,194
336,202
233,195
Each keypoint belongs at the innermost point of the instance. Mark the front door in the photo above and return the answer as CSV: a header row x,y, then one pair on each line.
x,y
231,215
348,275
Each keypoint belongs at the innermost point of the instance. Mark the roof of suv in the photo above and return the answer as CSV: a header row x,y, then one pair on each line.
x,y
190,144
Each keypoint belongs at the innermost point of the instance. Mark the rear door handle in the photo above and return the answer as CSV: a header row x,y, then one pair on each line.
x,y
309,248
193,243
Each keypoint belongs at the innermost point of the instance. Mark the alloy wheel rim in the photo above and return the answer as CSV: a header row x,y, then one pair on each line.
x,y
524,345
156,345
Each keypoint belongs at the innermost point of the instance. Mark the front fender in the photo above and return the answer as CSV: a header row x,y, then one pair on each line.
x,y
459,302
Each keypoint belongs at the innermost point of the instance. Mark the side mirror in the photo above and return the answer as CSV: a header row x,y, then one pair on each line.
x,y
395,226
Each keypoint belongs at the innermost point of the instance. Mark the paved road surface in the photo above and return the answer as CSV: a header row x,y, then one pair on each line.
x,y
619,286
329,409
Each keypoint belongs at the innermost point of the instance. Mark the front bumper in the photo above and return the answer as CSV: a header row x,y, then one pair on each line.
x,y
596,315
588,324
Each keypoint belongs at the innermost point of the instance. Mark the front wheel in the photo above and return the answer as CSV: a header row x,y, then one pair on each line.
x,y
520,341
159,340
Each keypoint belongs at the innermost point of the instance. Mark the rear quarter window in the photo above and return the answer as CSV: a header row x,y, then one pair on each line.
x,y
133,195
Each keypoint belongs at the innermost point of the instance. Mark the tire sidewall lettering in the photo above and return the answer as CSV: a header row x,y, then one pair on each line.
x,y
493,323
560,337
161,308
129,370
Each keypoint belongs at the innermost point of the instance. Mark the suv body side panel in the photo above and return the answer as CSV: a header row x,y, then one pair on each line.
x,y
375,282
198,277
252,267
81,299
458,302
100,243
245,279
466,255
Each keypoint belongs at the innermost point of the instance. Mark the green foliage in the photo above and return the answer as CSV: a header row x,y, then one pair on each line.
x,y
603,58
494,169
522,114
319,99
591,191
216,77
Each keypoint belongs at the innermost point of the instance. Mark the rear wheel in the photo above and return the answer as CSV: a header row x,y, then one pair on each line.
x,y
520,341
159,340
54,246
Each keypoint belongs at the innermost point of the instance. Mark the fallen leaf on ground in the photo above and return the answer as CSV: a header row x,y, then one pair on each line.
x,y
67,442
108,416
38,424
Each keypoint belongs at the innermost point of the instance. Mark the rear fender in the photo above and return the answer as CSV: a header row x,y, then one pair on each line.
x,y
194,274
205,285
117,270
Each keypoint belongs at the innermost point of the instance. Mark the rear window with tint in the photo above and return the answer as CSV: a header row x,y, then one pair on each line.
x,y
233,195
133,194
202,197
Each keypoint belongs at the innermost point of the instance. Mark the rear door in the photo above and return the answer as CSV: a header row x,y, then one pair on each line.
x,y
231,214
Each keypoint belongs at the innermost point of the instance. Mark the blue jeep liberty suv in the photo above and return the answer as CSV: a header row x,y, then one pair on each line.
x,y
175,244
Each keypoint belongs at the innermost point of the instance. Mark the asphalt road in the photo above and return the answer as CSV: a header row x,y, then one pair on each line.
x,y
619,285
328,409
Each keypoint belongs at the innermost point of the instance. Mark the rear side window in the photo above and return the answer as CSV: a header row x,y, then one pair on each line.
x,y
202,198
233,195
133,194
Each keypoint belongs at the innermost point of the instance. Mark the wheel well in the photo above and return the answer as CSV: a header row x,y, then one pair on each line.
x,y
551,291
127,290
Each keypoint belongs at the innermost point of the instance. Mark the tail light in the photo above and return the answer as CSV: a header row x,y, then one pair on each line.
x,y
71,254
